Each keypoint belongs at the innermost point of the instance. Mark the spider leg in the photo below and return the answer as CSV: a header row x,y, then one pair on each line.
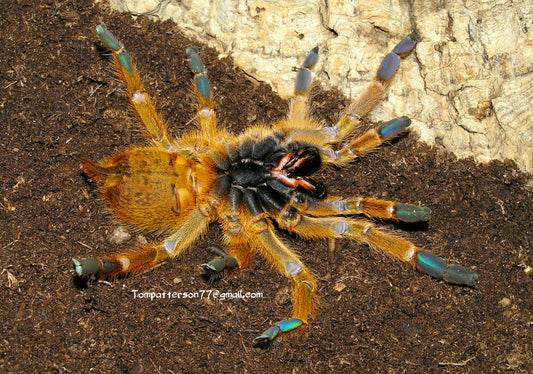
x,y
281,201
384,209
299,106
214,269
202,89
299,125
145,257
240,249
259,231
139,100
368,233
237,257
236,223
371,95
370,140
288,217
288,264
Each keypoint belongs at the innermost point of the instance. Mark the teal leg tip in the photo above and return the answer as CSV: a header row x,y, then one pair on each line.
x,y
195,60
89,266
430,264
108,38
267,336
125,60
460,275
86,266
289,324
220,263
77,267
388,66
406,45
412,213
214,269
436,267
280,326
394,127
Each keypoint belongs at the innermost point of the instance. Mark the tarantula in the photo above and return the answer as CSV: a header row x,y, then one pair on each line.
x,y
250,181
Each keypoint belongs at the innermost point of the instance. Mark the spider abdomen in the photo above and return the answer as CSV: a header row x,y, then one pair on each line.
x,y
150,188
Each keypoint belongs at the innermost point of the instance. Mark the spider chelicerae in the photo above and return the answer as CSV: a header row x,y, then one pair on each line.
x,y
251,181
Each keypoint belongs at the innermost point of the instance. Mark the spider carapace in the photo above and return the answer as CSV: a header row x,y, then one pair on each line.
x,y
251,181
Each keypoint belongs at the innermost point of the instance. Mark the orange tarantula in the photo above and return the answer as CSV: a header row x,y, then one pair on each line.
x,y
250,181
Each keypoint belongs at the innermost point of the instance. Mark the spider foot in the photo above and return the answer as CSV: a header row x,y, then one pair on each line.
x,y
214,269
89,266
117,47
281,326
391,62
200,74
436,267
303,78
412,213
394,127
372,139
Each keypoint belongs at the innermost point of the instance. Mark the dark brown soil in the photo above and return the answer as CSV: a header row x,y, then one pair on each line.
x,y
59,102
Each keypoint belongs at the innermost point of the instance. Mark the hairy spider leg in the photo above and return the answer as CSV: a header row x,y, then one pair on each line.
x,y
287,263
312,219
140,101
372,94
299,106
366,232
146,257
248,229
336,206
383,209
233,217
299,126
238,256
370,140
202,88
239,248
